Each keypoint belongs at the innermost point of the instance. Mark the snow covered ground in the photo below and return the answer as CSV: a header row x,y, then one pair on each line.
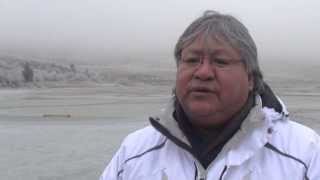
x,y
71,132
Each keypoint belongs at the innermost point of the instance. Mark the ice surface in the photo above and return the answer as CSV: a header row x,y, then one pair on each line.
x,y
69,147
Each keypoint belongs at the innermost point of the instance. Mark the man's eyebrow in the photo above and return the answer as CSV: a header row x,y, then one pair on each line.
x,y
194,51
212,52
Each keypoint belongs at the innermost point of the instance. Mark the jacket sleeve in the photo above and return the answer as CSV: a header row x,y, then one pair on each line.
x,y
313,171
114,168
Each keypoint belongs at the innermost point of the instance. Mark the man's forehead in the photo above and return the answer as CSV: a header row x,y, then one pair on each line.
x,y
212,50
207,43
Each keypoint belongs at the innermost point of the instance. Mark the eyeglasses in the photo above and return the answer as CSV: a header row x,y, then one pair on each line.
x,y
221,63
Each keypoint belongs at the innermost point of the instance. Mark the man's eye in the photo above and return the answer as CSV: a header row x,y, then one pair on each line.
x,y
221,61
192,60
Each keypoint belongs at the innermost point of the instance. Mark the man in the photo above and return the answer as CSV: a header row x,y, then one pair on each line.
x,y
223,123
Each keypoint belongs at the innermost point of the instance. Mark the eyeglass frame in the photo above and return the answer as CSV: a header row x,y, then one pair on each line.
x,y
218,62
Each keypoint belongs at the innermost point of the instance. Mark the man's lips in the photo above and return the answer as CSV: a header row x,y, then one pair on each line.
x,y
201,90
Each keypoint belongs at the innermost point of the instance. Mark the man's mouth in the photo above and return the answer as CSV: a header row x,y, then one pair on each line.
x,y
201,90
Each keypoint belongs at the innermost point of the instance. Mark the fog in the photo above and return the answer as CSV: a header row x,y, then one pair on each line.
x,y
70,120
104,30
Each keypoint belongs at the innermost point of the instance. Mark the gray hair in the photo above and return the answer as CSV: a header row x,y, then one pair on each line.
x,y
215,24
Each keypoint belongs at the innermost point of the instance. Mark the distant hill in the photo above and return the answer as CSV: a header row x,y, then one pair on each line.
x,y
11,75
49,73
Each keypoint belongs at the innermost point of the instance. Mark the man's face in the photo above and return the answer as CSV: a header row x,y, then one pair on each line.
x,y
212,91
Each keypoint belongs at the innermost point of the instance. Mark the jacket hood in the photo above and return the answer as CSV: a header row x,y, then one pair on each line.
x,y
270,100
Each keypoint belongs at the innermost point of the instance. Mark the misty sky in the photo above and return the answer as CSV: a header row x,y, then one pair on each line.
x,y
100,29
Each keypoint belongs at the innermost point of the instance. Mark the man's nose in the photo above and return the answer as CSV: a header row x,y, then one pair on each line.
x,y
204,71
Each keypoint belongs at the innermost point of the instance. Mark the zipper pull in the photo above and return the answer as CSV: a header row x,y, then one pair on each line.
x,y
202,176
164,175
201,172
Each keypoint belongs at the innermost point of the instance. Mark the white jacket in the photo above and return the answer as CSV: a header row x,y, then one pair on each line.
x,y
268,146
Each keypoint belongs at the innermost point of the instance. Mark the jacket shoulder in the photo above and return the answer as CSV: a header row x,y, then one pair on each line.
x,y
296,140
142,141
133,146
294,132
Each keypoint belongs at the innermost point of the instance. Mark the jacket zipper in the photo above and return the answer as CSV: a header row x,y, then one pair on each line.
x,y
201,173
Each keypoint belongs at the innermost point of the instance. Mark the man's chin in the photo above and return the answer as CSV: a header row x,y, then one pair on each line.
x,y
198,95
197,110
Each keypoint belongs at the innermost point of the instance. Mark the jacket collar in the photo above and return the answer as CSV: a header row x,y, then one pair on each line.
x,y
166,119
252,135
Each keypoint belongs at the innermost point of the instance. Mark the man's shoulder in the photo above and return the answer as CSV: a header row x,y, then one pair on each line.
x,y
296,139
145,134
297,132
142,140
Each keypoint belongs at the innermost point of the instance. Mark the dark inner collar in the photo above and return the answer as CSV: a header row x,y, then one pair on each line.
x,y
206,146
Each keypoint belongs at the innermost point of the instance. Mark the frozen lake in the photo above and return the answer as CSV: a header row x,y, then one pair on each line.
x,y
71,132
